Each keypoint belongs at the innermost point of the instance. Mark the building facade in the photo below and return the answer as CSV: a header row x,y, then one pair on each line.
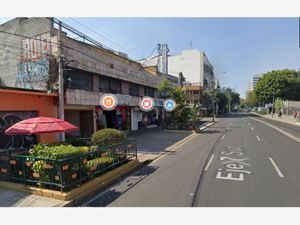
x,y
89,71
194,65
18,104
193,92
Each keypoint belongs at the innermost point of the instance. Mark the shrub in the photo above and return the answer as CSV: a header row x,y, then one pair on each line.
x,y
107,137
55,152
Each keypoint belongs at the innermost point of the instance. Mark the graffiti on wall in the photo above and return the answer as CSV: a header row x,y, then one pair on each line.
x,y
38,47
7,119
33,74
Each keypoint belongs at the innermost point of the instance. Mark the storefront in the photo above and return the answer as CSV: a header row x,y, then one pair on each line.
x,y
19,104
120,118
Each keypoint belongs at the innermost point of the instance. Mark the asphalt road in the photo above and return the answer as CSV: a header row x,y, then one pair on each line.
x,y
237,162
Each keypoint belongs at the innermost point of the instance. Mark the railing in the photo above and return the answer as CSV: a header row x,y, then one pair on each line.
x,y
65,174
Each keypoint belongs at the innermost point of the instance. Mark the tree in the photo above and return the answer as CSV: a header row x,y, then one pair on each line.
x,y
179,96
279,105
222,102
251,99
165,88
194,112
285,83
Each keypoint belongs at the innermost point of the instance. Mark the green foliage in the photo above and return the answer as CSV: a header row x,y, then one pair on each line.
x,y
55,152
164,88
107,137
251,99
98,162
285,83
279,104
222,102
193,113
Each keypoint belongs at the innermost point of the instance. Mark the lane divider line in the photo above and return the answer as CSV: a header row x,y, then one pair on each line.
x,y
209,162
252,128
257,138
276,168
223,137
278,129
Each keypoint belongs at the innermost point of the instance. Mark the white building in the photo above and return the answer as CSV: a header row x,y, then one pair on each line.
x,y
193,64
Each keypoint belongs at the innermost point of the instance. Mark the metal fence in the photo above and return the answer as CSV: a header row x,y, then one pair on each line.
x,y
65,174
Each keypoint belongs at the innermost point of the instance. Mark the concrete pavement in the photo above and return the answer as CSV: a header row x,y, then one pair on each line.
x,y
159,143
237,162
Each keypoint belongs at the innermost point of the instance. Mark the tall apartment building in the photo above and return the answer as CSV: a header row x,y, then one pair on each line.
x,y
29,51
255,79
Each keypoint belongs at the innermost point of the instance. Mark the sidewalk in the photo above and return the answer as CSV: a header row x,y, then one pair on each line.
x,y
162,142
10,198
283,118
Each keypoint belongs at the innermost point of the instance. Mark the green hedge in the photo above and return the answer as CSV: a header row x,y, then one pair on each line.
x,y
107,137
55,152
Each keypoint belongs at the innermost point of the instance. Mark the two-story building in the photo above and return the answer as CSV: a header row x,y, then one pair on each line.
x,y
29,50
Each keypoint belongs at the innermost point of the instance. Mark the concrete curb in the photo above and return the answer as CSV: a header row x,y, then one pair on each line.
x,y
73,197
283,121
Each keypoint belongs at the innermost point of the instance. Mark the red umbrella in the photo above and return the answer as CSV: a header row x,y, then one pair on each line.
x,y
39,125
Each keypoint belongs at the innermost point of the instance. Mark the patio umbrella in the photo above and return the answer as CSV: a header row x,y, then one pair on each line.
x,y
39,125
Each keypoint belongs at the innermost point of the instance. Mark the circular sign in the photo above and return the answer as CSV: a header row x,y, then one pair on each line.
x,y
108,102
146,104
169,105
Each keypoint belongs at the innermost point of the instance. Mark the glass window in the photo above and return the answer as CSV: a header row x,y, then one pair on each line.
x,y
77,79
109,85
149,92
134,89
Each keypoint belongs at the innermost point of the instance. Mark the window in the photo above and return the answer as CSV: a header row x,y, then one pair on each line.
x,y
134,89
109,85
78,79
149,92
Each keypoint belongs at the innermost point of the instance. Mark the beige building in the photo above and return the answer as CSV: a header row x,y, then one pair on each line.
x,y
89,72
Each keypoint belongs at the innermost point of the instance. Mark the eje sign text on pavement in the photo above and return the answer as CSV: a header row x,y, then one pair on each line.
x,y
234,165
108,102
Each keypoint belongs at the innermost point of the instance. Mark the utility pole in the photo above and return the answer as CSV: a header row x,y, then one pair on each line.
x,y
273,103
61,109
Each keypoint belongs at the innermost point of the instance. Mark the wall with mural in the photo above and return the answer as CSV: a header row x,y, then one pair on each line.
x,y
7,119
33,74
37,58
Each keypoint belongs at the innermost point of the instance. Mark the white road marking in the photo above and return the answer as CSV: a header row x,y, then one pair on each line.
x,y
223,137
276,168
278,129
252,128
257,138
209,162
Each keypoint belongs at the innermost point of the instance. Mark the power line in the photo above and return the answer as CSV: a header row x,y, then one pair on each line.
x,y
100,35
74,49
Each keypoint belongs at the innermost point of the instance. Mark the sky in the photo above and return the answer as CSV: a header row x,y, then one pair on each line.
x,y
241,47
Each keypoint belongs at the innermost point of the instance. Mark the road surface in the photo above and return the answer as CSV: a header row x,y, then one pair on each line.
x,y
239,161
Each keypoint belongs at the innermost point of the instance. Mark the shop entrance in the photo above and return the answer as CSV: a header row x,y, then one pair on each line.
x,y
111,118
